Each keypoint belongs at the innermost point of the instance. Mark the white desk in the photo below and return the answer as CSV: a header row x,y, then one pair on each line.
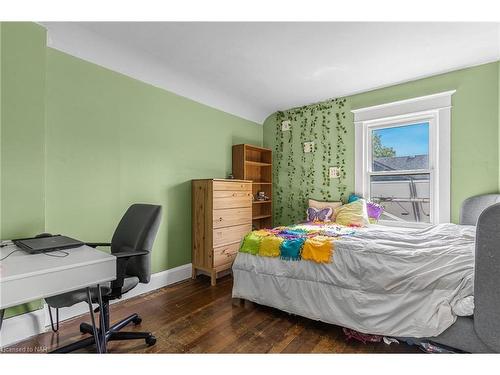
x,y
27,277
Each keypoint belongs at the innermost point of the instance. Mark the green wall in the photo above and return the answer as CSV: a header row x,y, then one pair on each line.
x,y
297,175
22,208
113,141
475,126
80,143
23,128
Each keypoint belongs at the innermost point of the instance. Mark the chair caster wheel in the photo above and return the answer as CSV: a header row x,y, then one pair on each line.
x,y
150,340
86,328
137,320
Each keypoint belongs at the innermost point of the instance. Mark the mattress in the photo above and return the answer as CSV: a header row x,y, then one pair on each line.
x,y
381,280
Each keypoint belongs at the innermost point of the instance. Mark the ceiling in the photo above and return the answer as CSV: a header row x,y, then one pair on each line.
x,y
264,67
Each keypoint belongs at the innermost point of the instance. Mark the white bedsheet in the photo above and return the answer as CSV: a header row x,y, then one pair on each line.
x,y
387,281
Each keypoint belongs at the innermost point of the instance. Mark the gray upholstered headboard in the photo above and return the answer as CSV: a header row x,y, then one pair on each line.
x,y
487,277
473,206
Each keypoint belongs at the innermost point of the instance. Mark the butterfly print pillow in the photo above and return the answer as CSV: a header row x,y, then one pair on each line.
x,y
323,214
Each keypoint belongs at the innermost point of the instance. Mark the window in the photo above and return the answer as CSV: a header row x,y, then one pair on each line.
x,y
402,159
400,176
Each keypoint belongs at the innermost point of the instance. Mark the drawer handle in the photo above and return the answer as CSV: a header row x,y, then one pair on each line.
x,y
227,251
220,218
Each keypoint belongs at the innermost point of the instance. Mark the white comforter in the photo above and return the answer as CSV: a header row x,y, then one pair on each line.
x,y
387,281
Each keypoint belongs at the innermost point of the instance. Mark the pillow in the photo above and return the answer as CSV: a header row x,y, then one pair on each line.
x,y
353,198
320,205
315,214
352,214
374,210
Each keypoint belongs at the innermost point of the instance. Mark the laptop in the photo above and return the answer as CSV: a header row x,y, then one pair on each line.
x,y
45,244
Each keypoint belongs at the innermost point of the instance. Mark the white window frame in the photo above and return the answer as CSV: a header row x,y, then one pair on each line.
x,y
434,109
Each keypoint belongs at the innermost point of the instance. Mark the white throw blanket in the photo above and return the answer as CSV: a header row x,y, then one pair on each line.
x,y
387,281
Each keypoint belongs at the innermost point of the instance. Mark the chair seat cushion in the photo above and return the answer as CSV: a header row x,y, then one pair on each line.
x,y
80,295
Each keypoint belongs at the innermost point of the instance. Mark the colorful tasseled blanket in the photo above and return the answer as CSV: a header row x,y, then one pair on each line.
x,y
311,241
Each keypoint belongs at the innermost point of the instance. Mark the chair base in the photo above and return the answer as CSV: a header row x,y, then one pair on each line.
x,y
112,334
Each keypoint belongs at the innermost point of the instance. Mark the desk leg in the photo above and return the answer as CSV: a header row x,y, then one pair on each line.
x,y
1,317
102,321
96,337
91,311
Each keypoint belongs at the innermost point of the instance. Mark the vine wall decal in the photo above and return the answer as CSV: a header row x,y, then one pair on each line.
x,y
278,165
297,175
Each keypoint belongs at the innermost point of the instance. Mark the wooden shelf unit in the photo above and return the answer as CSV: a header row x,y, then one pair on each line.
x,y
254,163
261,217
257,163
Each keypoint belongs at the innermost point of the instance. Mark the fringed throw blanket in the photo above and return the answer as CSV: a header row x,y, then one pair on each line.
x,y
312,241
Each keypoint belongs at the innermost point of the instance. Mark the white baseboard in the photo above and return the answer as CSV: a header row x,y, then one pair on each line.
x,y
23,326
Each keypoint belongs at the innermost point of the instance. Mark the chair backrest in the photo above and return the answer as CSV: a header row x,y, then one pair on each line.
x,y
136,232
473,206
487,278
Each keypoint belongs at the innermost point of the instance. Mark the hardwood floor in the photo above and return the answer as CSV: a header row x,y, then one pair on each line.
x,y
192,317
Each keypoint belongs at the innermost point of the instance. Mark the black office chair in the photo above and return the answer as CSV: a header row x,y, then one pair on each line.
x,y
131,244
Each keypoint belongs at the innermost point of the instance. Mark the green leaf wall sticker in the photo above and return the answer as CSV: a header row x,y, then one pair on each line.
x,y
296,173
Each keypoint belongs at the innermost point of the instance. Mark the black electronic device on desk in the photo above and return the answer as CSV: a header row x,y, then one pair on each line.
x,y
46,243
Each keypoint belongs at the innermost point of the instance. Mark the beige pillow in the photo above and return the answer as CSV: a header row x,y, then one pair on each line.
x,y
353,214
320,205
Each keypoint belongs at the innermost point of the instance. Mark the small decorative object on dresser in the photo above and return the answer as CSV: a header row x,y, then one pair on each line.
x,y
254,163
221,217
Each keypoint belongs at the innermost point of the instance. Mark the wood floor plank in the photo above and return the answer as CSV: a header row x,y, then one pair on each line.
x,y
193,317
224,338
304,342
288,336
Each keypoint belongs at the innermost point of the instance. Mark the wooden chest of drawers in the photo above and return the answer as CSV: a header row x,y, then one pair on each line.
x,y
221,217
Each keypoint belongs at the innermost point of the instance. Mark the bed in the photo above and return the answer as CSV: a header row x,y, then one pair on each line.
x,y
416,283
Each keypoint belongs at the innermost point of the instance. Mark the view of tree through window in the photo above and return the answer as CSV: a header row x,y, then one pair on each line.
x,y
404,196
379,150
